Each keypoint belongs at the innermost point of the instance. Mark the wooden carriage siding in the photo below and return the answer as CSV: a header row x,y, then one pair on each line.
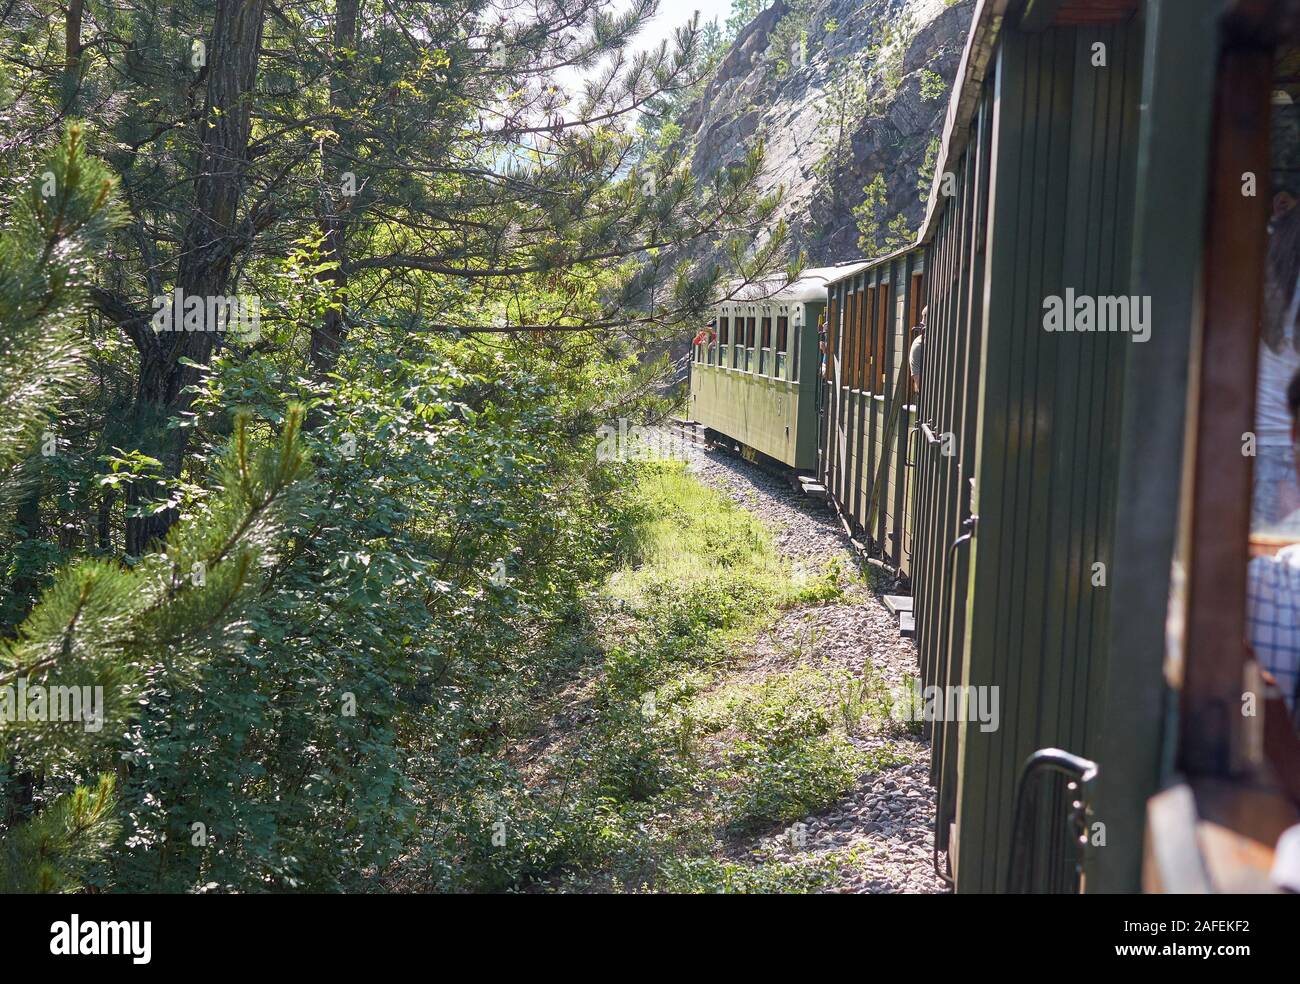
x,y
868,403
1049,414
1013,425
1031,457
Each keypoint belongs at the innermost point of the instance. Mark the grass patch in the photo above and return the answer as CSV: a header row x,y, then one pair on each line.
x,y
674,761
765,876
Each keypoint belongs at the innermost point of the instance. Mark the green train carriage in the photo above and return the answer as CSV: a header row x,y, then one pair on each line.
x,y
869,405
1074,508
1065,493
753,378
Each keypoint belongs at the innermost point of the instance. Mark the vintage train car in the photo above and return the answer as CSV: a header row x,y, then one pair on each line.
x,y
753,372
1071,496
869,408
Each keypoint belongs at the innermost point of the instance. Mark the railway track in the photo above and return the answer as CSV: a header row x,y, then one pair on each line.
x,y
688,431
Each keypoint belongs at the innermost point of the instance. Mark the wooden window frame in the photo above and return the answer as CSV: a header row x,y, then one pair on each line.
x,y
864,333
765,358
794,355
781,346
848,373
1218,830
883,331
832,320
850,305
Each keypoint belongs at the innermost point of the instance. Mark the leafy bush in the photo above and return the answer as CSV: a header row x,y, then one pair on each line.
x,y
781,782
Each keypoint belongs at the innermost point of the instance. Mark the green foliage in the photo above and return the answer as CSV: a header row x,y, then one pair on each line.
x,y
99,628
712,876
792,758
925,177
841,113
459,513
135,638
879,236
742,12
783,782
54,228
55,850
669,759
788,42
932,85
886,52
316,677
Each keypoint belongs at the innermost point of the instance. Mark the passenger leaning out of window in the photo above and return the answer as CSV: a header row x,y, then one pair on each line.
x,y
916,357
821,342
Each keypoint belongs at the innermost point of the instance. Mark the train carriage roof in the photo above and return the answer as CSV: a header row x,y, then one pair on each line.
x,y
811,286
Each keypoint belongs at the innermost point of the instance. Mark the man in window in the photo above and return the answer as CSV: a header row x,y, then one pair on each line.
x,y
821,344
916,357
1273,594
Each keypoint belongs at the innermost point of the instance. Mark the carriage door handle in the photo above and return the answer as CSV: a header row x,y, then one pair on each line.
x,y
968,524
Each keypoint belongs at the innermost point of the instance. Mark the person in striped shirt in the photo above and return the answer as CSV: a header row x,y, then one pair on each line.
x,y
1273,595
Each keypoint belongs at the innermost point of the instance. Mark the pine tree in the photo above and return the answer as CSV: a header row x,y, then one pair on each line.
x,y
45,258
101,631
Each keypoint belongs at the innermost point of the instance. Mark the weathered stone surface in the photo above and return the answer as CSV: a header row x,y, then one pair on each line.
x,y
751,98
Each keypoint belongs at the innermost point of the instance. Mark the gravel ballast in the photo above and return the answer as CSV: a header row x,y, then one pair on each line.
x,y
887,820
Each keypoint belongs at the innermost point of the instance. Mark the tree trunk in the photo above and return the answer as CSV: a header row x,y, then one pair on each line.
x,y
72,54
327,337
209,244
27,585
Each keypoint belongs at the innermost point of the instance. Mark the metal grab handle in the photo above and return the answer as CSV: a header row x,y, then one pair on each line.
x,y
1082,773
908,461
968,524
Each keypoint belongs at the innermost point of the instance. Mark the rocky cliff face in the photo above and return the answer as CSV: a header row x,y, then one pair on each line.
x,y
844,94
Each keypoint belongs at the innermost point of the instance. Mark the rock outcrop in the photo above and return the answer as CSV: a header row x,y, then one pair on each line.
x,y
839,91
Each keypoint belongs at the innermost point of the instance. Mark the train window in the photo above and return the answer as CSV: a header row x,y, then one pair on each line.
x,y
1273,580
794,358
782,340
883,327
832,323
865,345
869,329
1275,506
915,300
849,376
848,329
750,324
724,339
863,314
853,339
765,347
1234,607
